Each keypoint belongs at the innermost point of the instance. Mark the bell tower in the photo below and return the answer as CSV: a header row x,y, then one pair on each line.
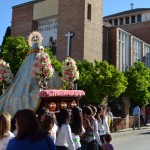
x,y
80,24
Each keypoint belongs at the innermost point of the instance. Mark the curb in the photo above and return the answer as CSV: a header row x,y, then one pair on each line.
x,y
129,131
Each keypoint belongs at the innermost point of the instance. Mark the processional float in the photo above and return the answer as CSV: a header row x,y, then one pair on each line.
x,y
37,84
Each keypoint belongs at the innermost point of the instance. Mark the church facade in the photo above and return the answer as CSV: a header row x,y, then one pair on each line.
x,y
126,38
74,27
77,29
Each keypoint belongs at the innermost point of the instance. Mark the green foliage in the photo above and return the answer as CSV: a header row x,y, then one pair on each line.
x,y
7,34
100,80
138,88
14,52
55,63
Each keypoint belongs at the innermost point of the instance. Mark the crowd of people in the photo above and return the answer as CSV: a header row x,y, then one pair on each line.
x,y
77,129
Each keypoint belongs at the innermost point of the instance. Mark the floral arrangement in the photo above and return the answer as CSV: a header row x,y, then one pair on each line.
x,y
42,68
60,93
69,71
5,72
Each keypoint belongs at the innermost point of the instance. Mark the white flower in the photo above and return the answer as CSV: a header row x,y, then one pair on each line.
x,y
40,66
69,70
5,72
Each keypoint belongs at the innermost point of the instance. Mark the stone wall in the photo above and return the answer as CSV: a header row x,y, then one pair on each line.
x,y
121,123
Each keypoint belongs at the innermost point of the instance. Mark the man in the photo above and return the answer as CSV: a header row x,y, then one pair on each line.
x,y
136,120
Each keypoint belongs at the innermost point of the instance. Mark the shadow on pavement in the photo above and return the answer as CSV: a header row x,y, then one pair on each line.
x,y
148,132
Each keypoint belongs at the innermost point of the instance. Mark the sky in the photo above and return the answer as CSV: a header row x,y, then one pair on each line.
x,y
109,7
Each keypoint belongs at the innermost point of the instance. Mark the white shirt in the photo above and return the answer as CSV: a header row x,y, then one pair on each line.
x,y
94,135
64,137
4,141
136,111
101,129
103,126
76,139
53,132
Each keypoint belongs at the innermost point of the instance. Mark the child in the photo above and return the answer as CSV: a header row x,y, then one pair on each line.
x,y
49,125
64,139
107,143
76,127
5,134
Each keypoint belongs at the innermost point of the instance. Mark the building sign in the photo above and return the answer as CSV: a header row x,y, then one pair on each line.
x,y
48,29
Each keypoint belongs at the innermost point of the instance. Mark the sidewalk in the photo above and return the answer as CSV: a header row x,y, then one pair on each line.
x,y
129,131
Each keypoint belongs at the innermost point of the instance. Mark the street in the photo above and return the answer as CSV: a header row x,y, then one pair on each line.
x,y
133,140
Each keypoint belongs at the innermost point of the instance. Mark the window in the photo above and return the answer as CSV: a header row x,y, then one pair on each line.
x,y
127,20
110,21
147,55
89,12
137,50
124,48
139,19
121,21
132,19
116,22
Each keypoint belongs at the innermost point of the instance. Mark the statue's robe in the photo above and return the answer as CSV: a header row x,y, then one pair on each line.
x,y
23,93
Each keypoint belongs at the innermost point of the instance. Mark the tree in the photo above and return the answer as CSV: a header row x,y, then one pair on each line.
x,y
138,88
7,34
14,52
100,80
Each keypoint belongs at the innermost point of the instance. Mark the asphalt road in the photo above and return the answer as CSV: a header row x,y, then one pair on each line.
x,y
134,140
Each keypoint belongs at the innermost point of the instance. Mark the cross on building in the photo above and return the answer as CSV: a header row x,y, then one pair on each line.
x,y
131,5
68,35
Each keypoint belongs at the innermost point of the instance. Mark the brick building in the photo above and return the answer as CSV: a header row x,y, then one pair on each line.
x,y
123,49
134,21
126,38
55,19
22,20
125,41
122,38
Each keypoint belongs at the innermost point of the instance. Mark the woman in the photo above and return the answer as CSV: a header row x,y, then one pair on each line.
x,y
64,137
5,134
30,134
49,125
103,127
92,133
77,127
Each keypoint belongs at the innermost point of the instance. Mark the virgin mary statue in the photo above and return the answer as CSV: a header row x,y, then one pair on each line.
x,y
24,90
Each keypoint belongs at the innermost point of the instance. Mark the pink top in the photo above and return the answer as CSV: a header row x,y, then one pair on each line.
x,y
59,93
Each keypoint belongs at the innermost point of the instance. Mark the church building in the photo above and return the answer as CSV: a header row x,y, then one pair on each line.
x,y
78,29
135,21
73,27
126,38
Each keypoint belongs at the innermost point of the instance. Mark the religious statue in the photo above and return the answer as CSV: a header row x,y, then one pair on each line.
x,y
23,92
